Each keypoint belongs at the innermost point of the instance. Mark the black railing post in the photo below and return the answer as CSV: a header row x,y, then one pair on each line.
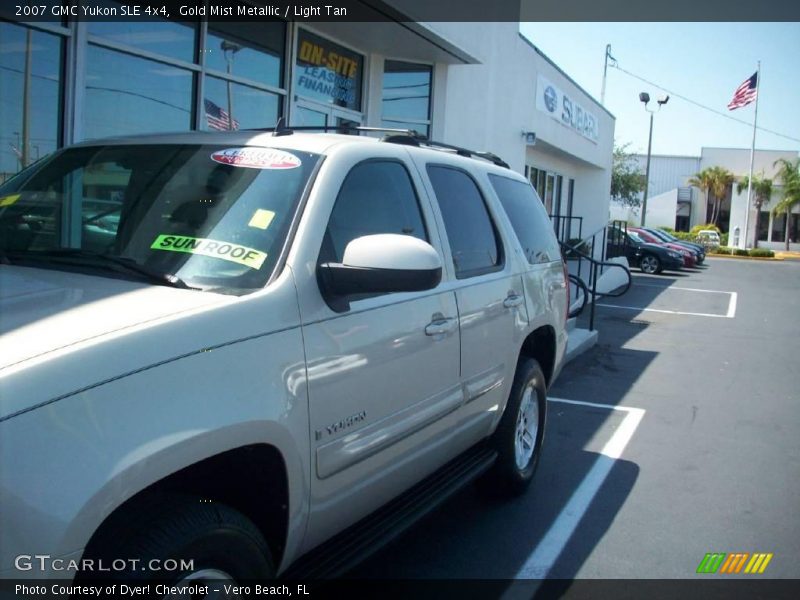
x,y
594,297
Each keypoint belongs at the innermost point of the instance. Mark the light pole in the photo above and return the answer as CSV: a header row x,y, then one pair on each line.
x,y
229,49
645,98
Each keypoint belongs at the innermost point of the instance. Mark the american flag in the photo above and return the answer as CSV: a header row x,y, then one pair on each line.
x,y
218,118
745,93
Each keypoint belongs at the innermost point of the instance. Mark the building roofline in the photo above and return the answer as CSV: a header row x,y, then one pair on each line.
x,y
746,149
687,156
570,79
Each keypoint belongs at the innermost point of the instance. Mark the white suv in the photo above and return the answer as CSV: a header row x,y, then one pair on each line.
x,y
221,349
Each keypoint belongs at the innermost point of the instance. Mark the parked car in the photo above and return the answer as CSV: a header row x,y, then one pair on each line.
x,y
709,238
700,251
689,257
231,347
650,258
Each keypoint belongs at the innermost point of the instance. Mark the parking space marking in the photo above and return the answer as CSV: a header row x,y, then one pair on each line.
x,y
730,314
544,556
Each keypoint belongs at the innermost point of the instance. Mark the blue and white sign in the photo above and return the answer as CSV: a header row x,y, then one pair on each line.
x,y
551,100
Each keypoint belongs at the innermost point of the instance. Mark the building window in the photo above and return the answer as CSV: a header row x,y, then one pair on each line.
x,y
327,72
763,226
407,96
126,95
245,63
166,38
779,227
31,75
144,77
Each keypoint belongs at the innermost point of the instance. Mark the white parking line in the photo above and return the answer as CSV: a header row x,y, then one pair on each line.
x,y
544,556
729,315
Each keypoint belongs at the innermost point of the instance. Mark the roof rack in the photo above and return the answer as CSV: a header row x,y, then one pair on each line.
x,y
407,137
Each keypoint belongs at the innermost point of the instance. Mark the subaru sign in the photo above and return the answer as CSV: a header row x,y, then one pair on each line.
x,y
558,105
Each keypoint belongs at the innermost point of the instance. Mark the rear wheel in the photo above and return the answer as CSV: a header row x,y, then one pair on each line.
x,y
519,435
650,264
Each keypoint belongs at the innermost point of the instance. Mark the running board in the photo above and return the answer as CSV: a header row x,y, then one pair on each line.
x,y
344,551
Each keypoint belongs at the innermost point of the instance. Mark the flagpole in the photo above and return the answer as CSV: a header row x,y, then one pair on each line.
x,y
752,157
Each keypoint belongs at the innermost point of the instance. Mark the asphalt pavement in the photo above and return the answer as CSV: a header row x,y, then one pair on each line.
x,y
676,436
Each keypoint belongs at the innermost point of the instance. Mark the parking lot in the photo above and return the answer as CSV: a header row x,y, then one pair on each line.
x,y
676,436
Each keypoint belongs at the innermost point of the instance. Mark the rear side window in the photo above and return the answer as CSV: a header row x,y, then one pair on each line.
x,y
377,196
472,236
528,218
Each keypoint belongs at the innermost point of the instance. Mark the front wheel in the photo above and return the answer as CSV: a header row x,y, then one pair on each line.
x,y
519,436
650,264
206,541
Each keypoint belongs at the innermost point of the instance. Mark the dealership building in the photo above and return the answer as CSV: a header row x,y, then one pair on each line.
x,y
673,202
477,85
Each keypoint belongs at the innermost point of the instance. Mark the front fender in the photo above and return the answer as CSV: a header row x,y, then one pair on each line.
x,y
66,466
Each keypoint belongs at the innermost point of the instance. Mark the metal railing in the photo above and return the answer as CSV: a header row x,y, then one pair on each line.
x,y
596,268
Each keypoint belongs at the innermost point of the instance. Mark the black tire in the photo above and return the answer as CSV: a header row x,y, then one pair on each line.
x,y
507,477
212,536
650,264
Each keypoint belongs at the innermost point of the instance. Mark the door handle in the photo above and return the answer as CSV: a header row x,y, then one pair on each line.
x,y
440,326
512,300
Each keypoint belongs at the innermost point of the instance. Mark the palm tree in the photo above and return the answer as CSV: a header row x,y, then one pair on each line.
x,y
702,180
789,173
721,180
762,192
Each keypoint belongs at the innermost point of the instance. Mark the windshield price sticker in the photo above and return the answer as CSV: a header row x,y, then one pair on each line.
x,y
257,158
242,255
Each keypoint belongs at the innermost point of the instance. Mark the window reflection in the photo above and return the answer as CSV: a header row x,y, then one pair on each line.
x,y
248,107
30,76
253,50
169,38
406,96
128,95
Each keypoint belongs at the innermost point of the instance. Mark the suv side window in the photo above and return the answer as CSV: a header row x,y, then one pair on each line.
x,y
473,240
377,196
528,218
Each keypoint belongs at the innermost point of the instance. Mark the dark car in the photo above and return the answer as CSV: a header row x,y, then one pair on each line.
x,y
699,250
650,258
689,256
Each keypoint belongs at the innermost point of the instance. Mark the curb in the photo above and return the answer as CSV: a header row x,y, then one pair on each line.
x,y
764,258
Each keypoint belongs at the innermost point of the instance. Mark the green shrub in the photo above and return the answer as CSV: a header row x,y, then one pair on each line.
x,y
684,235
741,252
721,250
723,239
762,252
668,230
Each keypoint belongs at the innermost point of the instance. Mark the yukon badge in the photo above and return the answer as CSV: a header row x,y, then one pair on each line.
x,y
341,425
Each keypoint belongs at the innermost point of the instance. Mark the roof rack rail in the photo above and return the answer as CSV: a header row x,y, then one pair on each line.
x,y
407,137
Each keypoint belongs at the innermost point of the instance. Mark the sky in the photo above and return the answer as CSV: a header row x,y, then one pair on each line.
x,y
704,62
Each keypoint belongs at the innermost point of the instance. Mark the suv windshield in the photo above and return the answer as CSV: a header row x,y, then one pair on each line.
x,y
188,215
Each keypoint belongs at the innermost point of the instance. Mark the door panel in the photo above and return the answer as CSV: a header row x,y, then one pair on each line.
x,y
379,387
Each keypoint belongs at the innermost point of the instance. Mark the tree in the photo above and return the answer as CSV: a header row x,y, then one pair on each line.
x,y
702,180
627,182
714,181
762,192
789,174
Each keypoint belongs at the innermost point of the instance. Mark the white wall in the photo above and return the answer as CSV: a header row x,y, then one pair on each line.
x,y
737,160
661,210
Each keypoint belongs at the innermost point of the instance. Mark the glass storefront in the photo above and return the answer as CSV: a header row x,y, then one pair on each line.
x,y
69,82
126,94
406,96
31,77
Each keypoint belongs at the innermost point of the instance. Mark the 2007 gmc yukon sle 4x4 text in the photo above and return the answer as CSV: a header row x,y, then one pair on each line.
x,y
231,347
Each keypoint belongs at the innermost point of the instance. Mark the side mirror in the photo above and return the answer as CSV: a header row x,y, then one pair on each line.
x,y
379,264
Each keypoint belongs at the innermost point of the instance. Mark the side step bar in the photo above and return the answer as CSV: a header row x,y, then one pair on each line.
x,y
343,552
